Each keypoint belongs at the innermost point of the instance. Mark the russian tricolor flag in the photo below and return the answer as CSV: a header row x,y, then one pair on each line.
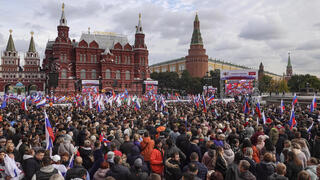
x,y
246,107
264,118
49,132
24,104
282,107
210,98
98,107
292,121
204,104
313,104
295,99
137,105
41,103
258,110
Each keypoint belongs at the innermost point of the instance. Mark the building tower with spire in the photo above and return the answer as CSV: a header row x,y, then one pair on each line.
x,y
10,57
197,60
141,53
15,79
31,59
260,71
98,61
289,67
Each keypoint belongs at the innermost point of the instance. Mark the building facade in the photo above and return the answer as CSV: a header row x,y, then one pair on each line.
x,y
21,79
107,58
197,62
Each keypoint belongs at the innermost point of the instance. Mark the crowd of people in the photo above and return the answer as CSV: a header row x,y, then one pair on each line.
x,y
179,142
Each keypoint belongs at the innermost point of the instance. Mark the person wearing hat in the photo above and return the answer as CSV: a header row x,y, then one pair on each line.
x,y
110,158
137,172
87,154
56,164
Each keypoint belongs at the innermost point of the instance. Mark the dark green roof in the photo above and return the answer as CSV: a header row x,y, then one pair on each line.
x,y
289,61
196,35
32,47
10,45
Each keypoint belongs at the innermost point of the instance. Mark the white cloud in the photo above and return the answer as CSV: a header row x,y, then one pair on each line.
x,y
243,32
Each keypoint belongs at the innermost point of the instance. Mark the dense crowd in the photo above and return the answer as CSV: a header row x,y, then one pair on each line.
x,y
179,142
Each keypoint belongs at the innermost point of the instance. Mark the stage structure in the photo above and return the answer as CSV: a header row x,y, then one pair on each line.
x,y
239,82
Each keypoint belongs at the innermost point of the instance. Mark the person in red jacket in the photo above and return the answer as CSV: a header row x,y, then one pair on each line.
x,y
156,158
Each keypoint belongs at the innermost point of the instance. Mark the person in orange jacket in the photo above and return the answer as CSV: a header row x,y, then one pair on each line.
x,y
156,158
147,146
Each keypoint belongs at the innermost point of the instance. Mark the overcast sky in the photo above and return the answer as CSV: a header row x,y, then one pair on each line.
x,y
243,32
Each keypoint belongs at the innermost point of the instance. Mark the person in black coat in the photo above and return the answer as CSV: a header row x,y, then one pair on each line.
x,y
75,171
294,166
31,164
193,147
137,172
280,142
265,168
221,163
126,147
172,165
118,171
87,154
98,158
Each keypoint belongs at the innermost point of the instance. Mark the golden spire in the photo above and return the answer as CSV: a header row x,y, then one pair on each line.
x,y
139,16
62,6
31,33
10,30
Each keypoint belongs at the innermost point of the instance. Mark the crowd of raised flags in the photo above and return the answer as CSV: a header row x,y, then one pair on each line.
x,y
292,121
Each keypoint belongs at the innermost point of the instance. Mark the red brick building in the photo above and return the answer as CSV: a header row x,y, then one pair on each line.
x,y
17,79
106,58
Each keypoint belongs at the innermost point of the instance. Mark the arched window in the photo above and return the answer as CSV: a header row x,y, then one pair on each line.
x,y
63,74
143,75
128,59
93,74
84,58
83,74
127,75
108,74
118,74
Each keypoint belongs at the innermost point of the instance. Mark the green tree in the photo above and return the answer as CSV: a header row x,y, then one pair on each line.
x,y
265,84
300,81
283,86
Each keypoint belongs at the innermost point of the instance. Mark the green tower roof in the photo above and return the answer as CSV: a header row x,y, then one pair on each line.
x,y
32,47
196,35
10,45
289,61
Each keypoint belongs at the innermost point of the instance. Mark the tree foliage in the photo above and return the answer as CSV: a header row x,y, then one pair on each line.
x,y
171,82
265,84
298,82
